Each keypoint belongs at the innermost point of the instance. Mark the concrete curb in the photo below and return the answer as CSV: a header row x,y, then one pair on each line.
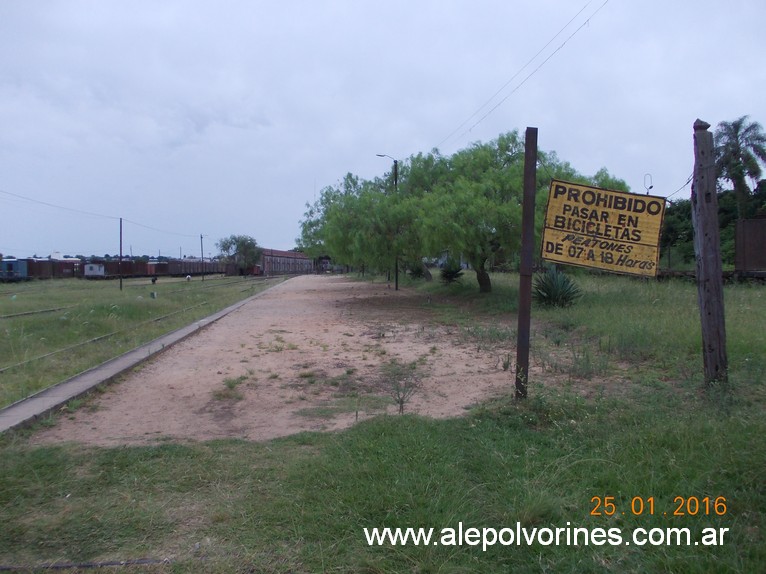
x,y
26,411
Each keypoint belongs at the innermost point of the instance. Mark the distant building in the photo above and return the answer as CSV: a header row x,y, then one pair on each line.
x,y
276,262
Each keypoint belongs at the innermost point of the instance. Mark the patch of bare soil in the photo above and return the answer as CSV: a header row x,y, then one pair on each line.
x,y
306,355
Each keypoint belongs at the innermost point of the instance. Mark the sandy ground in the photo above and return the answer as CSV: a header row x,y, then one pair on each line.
x,y
306,355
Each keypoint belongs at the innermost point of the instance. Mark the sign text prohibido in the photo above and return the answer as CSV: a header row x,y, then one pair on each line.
x,y
610,230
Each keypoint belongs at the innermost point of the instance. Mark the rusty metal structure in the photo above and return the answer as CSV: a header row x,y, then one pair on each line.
x,y
750,245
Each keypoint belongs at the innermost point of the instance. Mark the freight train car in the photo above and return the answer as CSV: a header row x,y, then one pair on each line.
x,y
273,262
110,269
54,268
12,269
190,266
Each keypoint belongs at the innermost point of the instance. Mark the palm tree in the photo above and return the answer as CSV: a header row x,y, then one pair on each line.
x,y
740,146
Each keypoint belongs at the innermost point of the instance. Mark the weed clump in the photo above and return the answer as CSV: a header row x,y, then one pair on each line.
x,y
402,381
230,392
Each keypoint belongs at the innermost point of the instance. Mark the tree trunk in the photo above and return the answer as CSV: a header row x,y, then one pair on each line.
x,y
482,276
426,272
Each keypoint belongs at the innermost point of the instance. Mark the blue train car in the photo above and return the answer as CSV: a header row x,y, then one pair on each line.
x,y
13,269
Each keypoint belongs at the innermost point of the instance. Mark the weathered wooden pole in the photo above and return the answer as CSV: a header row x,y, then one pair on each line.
x,y
525,268
707,252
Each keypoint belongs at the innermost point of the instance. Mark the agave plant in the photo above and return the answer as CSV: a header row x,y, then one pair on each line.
x,y
555,289
452,271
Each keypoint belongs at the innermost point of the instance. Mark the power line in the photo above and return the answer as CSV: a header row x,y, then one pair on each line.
x,y
533,72
505,85
73,210
93,214
160,230
532,59
682,187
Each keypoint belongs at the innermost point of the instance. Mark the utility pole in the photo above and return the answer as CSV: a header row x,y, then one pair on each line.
x,y
119,263
707,252
525,268
396,191
202,256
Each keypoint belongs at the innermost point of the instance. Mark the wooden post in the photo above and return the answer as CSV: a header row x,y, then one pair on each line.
x,y
707,252
525,269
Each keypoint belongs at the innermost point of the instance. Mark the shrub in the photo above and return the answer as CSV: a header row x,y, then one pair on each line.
x,y
451,272
402,381
555,289
416,271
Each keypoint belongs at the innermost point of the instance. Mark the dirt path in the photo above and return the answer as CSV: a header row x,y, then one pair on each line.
x,y
307,355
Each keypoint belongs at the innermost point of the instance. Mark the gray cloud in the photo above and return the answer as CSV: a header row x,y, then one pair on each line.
x,y
217,118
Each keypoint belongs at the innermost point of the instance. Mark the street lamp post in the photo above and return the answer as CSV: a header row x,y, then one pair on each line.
x,y
396,190
649,185
396,170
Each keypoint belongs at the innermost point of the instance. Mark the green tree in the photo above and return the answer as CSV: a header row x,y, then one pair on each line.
x,y
364,224
467,205
474,213
240,249
344,222
758,199
605,180
678,231
677,239
740,147
311,241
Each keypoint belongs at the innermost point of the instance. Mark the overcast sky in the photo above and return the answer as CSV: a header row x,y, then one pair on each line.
x,y
190,117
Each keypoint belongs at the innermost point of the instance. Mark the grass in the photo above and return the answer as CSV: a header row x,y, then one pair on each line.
x,y
487,336
347,403
95,321
230,391
300,504
653,323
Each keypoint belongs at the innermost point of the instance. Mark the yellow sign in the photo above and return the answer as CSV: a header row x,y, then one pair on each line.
x,y
610,230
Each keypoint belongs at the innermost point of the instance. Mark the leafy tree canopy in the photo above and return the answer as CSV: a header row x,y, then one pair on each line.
x,y
240,249
740,148
466,206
